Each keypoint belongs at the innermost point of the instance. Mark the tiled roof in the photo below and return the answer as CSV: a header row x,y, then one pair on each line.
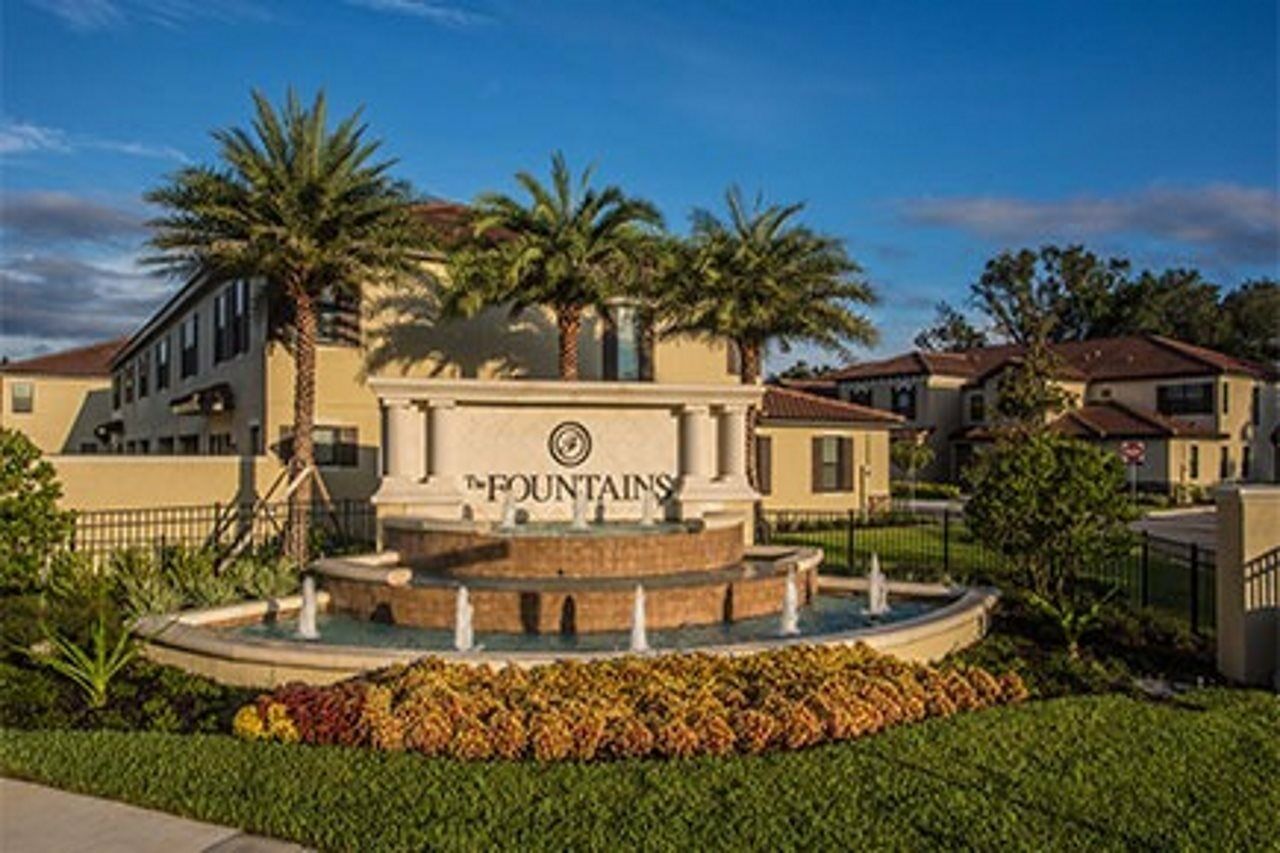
x,y
1132,357
1106,421
788,404
91,360
821,386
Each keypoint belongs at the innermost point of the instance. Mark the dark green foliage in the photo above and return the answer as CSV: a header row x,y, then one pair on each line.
x,y
950,331
143,697
925,490
31,525
1107,772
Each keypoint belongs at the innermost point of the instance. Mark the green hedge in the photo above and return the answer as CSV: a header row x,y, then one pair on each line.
x,y
925,490
1105,772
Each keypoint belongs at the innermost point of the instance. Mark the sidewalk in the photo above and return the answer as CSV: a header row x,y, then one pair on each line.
x,y
36,819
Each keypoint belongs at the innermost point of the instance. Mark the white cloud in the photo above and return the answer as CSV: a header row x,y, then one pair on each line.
x,y
20,137
94,15
1229,222
444,14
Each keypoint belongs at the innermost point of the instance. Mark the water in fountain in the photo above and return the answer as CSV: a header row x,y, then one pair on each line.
x,y
646,508
790,605
307,629
580,512
508,511
877,589
463,635
639,633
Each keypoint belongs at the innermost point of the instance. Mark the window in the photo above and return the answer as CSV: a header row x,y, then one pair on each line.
x,y
1226,398
144,446
338,318
255,439
764,464
977,408
1255,406
190,344
165,445
22,399
116,382
88,447
128,382
334,447
903,401
1224,463
221,326
162,363
221,444
131,447
240,317
1246,461
1194,465
1195,398
189,445
627,356
861,397
144,374
832,464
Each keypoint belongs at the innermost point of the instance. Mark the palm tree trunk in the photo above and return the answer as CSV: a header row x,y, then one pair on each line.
x,y
751,357
304,405
569,325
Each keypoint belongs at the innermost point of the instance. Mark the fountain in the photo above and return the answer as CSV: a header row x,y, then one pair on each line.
x,y
463,634
790,606
508,511
307,629
580,522
646,509
639,634
877,589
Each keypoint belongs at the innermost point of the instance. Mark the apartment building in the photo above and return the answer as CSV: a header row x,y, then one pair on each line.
x,y
60,399
1202,417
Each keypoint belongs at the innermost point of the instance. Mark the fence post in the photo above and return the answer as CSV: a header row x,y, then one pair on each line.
x,y
1195,588
946,541
1145,567
849,540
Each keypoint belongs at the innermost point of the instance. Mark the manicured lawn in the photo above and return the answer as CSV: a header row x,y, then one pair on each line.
x,y
1096,772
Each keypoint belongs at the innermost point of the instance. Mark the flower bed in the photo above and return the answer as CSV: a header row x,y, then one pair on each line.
x,y
670,706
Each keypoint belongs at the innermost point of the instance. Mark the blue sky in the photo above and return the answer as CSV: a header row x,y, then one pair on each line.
x,y
928,135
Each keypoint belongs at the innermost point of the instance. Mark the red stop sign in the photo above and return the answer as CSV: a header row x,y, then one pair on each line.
x,y
1133,452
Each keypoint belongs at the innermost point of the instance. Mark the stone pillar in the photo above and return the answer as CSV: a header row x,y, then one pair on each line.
x,y
442,455
695,450
1248,584
732,441
406,442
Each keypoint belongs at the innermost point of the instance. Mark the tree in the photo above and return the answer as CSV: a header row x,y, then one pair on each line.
x,y
568,248
1177,303
804,370
951,331
1055,508
31,525
1055,294
757,278
910,455
1252,314
305,209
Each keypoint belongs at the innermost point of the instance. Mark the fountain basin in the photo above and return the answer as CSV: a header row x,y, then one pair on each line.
x,y
251,644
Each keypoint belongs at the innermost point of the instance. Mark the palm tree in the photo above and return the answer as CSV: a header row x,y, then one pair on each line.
x,y
303,208
569,248
758,279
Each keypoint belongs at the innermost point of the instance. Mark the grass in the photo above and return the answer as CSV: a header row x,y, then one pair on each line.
x,y
1097,772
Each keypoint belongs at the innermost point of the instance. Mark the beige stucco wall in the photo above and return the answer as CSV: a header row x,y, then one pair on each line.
x,y
64,413
792,472
1247,581
136,482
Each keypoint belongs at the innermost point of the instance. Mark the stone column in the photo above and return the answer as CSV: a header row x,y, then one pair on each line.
x,y
732,435
695,451
1247,584
406,442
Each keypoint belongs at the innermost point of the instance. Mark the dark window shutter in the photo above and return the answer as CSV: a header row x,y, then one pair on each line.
x,y
764,463
815,453
846,464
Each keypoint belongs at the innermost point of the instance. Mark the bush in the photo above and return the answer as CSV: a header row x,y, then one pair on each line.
x,y
926,490
31,525
673,706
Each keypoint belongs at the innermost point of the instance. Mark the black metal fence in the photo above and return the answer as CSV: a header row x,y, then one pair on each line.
x,y
1164,574
340,525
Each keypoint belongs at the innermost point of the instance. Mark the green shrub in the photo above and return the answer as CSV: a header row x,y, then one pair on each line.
x,y
925,490
31,525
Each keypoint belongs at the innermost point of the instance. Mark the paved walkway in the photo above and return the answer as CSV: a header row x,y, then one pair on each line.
x,y
1191,526
36,819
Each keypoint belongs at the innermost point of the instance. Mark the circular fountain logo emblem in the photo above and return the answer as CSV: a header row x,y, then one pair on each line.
x,y
570,444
